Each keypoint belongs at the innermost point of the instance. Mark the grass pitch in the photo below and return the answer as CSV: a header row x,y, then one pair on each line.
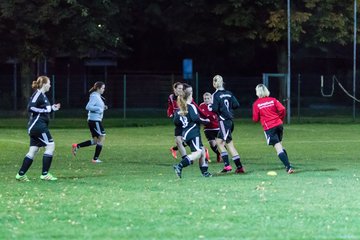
x,y
134,193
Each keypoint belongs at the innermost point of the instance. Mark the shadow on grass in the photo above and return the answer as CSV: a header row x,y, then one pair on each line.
x,y
316,170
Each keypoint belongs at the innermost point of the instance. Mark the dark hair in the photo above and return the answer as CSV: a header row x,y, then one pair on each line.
x,y
96,86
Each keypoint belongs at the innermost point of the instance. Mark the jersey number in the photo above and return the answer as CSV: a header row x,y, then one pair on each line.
x,y
226,102
184,121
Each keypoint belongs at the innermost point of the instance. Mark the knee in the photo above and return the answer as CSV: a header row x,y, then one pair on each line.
x,y
32,152
49,149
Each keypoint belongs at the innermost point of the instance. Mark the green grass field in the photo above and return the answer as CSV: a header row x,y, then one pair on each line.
x,y
135,194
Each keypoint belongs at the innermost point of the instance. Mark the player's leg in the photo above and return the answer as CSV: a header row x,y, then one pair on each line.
x,y
189,159
87,143
27,162
98,148
179,143
47,139
274,137
98,134
225,130
235,157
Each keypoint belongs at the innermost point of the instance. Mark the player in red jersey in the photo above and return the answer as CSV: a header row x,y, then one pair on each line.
x,y
211,129
172,108
271,113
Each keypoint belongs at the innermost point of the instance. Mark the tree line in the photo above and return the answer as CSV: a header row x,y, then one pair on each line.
x,y
203,29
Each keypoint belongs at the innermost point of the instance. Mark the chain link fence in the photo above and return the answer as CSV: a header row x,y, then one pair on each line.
x,y
146,95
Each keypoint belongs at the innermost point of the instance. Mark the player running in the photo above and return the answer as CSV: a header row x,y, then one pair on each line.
x,y
96,108
271,113
172,108
224,102
188,118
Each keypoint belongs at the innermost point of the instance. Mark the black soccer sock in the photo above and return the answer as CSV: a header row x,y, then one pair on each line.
x,y
85,144
215,149
285,152
225,158
284,159
25,166
47,159
97,151
204,167
237,161
175,148
185,162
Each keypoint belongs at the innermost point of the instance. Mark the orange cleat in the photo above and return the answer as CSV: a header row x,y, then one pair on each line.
x,y
173,152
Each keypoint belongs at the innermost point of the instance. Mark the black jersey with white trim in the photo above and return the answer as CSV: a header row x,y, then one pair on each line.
x,y
39,108
190,122
224,102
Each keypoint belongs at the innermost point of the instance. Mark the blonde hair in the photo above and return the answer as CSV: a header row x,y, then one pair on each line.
x,y
218,81
176,84
262,91
40,81
207,94
182,99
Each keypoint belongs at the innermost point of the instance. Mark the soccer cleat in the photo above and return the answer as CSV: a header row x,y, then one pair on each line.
x,y
74,149
226,169
173,152
207,174
177,170
96,161
240,170
48,177
22,178
207,156
219,159
290,170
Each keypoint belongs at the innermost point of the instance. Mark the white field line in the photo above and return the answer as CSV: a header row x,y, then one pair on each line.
x,y
14,141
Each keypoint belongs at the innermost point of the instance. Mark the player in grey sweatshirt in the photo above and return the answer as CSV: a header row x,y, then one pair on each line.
x,y
96,108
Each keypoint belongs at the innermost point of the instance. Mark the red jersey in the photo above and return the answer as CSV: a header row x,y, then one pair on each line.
x,y
212,116
269,111
172,105
202,115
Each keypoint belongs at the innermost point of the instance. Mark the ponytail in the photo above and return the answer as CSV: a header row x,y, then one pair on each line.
x,y
39,82
182,99
96,86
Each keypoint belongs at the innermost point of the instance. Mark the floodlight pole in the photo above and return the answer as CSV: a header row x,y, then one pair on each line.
x,y
354,64
289,60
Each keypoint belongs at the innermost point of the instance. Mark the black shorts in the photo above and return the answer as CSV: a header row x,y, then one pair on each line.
x,y
195,144
226,128
40,139
96,128
211,134
178,131
274,135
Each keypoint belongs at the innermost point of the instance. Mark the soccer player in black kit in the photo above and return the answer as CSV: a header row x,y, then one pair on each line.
x,y
39,108
188,118
224,102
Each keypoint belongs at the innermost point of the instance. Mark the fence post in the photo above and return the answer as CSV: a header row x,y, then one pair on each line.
x,y
197,86
298,100
53,93
15,85
124,106
68,85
